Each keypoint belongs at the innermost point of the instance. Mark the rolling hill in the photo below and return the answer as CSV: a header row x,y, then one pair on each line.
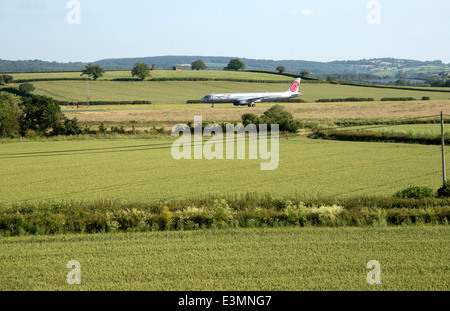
x,y
379,66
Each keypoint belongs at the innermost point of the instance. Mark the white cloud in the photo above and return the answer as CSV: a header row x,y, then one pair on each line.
x,y
307,12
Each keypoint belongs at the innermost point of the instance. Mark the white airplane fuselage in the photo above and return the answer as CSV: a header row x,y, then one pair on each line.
x,y
249,99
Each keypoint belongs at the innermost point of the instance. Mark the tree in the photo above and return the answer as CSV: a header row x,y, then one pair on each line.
x,y
70,127
304,73
9,117
281,69
275,115
5,79
93,71
140,70
235,64
279,115
26,88
42,115
198,65
250,118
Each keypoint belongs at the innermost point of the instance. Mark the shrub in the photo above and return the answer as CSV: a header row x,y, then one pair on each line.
x,y
397,99
350,99
415,192
26,87
102,128
279,115
426,98
5,79
31,134
444,190
250,118
221,211
296,214
118,130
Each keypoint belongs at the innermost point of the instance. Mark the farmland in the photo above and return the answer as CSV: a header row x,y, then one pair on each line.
x,y
411,259
144,170
178,92
126,181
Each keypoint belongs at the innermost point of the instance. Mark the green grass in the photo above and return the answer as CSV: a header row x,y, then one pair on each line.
x,y
286,259
178,92
142,170
416,129
158,74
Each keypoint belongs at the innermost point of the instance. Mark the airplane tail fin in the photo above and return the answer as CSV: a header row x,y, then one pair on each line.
x,y
294,86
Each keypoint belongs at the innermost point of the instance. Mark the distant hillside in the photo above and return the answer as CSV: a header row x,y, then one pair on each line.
x,y
380,66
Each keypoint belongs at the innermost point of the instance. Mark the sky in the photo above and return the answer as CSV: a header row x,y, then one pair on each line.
x,y
320,30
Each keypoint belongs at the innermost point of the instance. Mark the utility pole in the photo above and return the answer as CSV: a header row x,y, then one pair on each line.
x,y
87,92
444,177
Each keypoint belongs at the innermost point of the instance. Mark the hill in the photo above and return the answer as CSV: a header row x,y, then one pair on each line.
x,y
379,66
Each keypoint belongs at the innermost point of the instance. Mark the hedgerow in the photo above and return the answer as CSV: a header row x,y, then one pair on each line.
x,y
213,212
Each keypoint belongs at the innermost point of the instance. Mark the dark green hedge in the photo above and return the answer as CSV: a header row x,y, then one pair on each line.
x,y
350,99
99,103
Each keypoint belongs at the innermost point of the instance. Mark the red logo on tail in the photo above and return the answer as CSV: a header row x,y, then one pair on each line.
x,y
294,86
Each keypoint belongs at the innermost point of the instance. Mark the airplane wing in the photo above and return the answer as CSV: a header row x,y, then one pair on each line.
x,y
250,100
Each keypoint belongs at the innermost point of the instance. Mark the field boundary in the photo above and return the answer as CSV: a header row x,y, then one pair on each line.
x,y
113,216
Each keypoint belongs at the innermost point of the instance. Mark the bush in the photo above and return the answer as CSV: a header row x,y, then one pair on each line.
x,y
279,115
397,99
350,99
26,88
30,134
426,98
444,190
415,192
118,130
5,79
102,128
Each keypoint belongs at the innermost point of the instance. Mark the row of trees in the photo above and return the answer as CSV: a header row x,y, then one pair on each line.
x,y
140,70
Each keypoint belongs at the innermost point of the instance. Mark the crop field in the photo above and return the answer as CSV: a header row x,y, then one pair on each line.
x,y
45,181
227,112
158,74
140,170
286,259
415,129
178,92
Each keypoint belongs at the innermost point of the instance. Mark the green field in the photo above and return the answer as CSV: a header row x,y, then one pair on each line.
x,y
178,92
158,74
141,170
411,258
128,171
415,129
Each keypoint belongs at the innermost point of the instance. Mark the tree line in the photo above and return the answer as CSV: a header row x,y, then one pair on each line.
x,y
34,116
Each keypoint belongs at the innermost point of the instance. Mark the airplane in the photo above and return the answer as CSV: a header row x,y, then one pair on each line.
x,y
249,99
